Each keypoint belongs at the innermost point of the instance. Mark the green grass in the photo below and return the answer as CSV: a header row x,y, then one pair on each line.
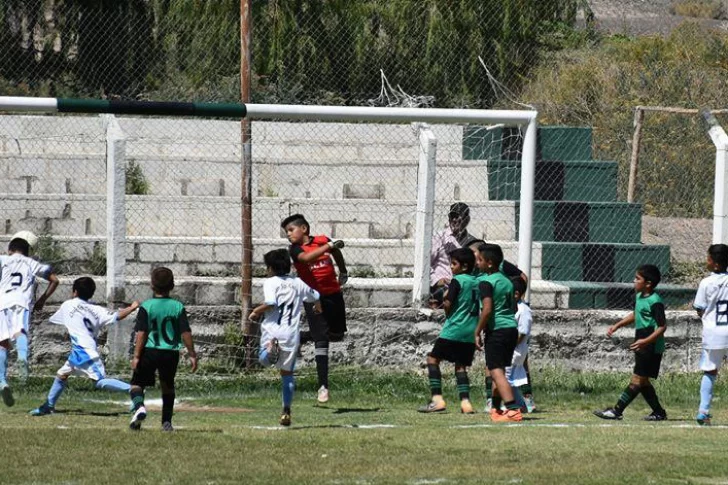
x,y
227,433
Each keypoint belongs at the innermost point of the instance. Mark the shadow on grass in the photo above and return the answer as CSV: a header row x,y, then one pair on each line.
x,y
349,410
81,412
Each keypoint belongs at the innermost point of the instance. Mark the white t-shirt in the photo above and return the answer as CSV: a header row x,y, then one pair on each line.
x,y
286,295
524,317
712,299
84,321
17,280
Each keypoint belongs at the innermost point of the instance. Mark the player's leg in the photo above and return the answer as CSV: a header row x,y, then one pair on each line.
x,y
517,396
320,335
57,388
625,399
5,390
499,348
167,372
269,352
488,391
463,385
710,363
527,390
437,403
286,365
95,371
21,339
649,393
143,376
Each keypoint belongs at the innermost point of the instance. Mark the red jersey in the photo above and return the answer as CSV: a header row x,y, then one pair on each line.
x,y
318,274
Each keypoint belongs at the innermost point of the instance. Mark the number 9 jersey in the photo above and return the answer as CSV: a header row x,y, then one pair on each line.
x,y
84,321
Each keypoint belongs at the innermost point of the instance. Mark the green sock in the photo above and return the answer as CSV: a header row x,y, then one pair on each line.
x,y
463,383
626,398
433,372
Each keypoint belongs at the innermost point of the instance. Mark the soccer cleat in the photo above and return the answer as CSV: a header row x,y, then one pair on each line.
x,y
136,421
488,405
509,415
23,371
656,416
167,426
323,395
43,410
608,413
285,419
495,414
466,407
703,419
274,351
530,405
434,406
7,395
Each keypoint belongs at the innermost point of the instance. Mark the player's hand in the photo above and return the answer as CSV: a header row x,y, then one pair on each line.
x,y
479,340
193,362
317,309
39,303
134,305
611,330
638,345
134,363
253,316
343,278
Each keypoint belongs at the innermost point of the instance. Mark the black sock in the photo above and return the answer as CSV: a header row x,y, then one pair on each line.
x,y
433,372
137,398
512,405
461,378
321,351
497,401
488,387
167,407
648,392
628,395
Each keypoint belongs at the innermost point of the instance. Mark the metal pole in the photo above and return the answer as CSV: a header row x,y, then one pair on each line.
x,y
639,116
425,215
720,201
528,181
246,289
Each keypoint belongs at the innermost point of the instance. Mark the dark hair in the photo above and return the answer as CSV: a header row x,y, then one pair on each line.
x,y
162,280
519,285
719,255
279,261
459,209
491,252
19,245
84,287
296,220
650,273
465,257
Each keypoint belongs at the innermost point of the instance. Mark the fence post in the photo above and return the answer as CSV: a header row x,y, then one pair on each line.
x,y
639,116
528,180
115,227
425,215
720,200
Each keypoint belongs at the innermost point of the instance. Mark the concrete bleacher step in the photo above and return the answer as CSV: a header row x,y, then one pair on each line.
x,y
160,216
506,143
358,293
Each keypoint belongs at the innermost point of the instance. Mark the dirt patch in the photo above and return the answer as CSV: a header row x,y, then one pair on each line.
x,y
688,238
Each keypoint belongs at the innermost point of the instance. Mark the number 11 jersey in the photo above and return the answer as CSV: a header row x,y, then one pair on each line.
x,y
286,295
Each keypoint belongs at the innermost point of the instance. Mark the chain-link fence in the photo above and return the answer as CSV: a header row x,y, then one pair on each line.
x,y
584,65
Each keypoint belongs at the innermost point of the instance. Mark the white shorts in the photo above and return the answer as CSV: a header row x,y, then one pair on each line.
x,y
712,359
93,369
13,320
286,360
516,375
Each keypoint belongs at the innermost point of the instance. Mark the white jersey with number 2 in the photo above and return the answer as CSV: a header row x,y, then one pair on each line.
x,y
17,280
712,300
286,295
84,321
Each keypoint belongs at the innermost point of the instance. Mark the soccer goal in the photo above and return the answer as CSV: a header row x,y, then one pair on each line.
x,y
115,188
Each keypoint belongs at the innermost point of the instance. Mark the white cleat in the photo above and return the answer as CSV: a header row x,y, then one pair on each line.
x,y
323,395
136,420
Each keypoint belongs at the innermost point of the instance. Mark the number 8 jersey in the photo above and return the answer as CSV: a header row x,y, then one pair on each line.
x,y
286,295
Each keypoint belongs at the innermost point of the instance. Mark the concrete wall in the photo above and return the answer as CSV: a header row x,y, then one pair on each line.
x,y
401,338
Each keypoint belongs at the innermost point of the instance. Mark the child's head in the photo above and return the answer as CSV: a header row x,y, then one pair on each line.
x,y
19,245
647,278
296,227
278,262
519,287
489,257
458,217
718,258
162,280
462,260
84,288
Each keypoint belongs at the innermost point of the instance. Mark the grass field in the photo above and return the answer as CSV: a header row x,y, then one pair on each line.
x,y
369,433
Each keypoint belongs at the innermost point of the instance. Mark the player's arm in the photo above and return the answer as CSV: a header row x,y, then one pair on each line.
x,y
341,264
486,296
628,320
184,326
307,257
511,271
50,289
658,313
141,327
701,300
451,297
259,311
125,312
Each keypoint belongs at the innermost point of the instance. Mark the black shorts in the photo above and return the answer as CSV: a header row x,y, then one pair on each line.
x,y
459,353
331,324
153,360
499,347
647,364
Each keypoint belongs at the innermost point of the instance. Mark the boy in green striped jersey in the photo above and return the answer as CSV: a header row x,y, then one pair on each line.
x,y
498,321
456,342
650,324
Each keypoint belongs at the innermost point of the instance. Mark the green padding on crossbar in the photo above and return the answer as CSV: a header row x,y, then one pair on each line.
x,y
158,108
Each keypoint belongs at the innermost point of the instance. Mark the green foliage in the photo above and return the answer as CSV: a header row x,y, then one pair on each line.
x,y
601,87
95,263
710,9
686,272
49,251
136,181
